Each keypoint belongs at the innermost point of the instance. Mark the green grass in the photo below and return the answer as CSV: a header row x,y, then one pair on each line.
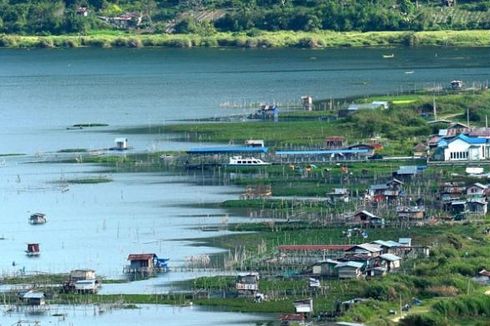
x,y
73,150
320,39
88,180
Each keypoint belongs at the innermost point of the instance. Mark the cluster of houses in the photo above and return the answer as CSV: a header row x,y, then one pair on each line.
x,y
459,199
372,259
127,20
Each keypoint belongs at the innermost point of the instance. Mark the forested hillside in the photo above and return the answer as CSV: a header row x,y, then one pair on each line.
x,y
43,17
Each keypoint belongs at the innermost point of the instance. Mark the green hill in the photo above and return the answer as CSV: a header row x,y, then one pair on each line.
x,y
206,17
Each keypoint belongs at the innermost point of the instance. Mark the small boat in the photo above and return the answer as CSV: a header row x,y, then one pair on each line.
x,y
388,56
409,72
37,218
246,161
33,250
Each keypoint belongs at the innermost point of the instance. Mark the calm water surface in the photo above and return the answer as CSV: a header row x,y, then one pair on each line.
x,y
44,91
151,315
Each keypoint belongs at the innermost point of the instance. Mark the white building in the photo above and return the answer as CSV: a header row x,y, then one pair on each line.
x,y
463,148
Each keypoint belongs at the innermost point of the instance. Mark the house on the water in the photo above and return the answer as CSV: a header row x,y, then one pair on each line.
x,y
37,218
33,250
35,301
145,264
82,281
121,144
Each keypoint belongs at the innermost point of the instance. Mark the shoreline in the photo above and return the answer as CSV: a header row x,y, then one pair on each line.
x,y
280,39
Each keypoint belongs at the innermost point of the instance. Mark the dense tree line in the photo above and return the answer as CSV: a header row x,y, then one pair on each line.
x,y
56,17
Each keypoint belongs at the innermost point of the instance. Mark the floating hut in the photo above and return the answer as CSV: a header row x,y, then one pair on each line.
x,y
82,281
33,250
35,301
37,218
146,264
121,144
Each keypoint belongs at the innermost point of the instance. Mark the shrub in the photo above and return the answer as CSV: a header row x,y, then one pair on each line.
x,y
442,291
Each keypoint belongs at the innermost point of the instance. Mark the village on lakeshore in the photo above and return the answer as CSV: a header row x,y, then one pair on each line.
x,y
337,227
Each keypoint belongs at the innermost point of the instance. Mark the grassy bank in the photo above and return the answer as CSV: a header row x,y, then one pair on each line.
x,y
320,39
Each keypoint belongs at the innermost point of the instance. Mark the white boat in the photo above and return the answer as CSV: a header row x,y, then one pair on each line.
x,y
246,161
388,56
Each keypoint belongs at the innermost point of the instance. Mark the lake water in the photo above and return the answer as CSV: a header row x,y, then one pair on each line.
x,y
151,315
42,92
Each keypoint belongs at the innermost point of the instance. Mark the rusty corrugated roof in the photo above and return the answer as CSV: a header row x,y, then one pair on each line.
x,y
141,256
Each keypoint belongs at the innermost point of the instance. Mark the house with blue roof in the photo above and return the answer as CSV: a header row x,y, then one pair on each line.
x,y
463,148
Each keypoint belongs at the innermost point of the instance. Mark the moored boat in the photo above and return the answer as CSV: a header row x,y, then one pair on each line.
x,y
246,161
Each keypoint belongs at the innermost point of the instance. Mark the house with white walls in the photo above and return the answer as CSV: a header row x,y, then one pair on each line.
x,y
463,148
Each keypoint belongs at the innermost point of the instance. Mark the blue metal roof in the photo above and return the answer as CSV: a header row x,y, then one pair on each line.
x,y
325,152
408,169
227,150
470,140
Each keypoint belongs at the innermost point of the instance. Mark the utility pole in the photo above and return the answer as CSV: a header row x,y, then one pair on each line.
x,y
434,106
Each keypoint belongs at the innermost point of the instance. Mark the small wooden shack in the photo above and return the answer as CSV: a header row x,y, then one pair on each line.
x,y
82,274
477,206
247,284
411,213
146,264
307,102
366,219
334,142
37,218
349,269
304,307
82,281
34,298
392,262
121,144
141,263
325,268
33,250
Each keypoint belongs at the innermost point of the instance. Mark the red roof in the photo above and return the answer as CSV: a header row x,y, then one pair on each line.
x,y
141,256
314,247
